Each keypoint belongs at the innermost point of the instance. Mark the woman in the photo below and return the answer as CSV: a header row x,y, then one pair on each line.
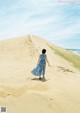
x,y
40,69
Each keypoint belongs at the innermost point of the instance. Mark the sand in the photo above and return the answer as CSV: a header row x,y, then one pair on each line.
x,y
21,92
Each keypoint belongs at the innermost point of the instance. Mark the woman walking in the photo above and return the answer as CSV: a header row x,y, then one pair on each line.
x,y
41,65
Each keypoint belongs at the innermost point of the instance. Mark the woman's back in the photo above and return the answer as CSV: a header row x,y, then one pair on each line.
x,y
42,56
42,60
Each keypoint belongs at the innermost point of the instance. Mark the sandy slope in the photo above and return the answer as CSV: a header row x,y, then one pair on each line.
x,y
21,92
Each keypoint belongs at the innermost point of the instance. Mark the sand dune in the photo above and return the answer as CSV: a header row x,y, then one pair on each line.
x,y
21,92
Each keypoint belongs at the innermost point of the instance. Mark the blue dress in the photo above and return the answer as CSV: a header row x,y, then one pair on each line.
x,y
38,70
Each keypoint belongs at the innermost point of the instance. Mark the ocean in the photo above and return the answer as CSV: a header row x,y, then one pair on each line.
x,y
76,51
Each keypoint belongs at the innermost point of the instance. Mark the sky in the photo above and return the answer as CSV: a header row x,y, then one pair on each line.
x,y
55,20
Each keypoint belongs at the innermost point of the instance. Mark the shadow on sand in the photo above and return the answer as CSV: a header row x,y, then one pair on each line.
x,y
65,69
42,79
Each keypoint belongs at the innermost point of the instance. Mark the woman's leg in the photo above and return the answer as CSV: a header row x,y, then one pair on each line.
x,y
40,72
44,71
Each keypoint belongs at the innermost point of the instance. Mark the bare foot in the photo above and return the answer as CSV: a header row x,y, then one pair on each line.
x,y
39,78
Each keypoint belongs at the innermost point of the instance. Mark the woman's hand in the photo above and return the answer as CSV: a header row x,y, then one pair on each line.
x,y
47,62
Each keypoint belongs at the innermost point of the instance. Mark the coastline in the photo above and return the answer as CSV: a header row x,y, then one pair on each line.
x,y
76,51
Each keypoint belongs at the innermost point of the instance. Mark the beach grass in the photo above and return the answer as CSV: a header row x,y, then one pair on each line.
x,y
66,54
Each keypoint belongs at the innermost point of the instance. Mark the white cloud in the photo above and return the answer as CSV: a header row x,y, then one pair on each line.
x,y
46,18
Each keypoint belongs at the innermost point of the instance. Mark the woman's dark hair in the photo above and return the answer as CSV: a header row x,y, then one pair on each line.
x,y
44,51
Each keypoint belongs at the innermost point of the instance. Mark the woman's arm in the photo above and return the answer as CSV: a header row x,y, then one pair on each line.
x,y
47,61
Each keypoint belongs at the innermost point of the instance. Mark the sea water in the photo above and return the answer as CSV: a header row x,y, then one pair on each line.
x,y
76,51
